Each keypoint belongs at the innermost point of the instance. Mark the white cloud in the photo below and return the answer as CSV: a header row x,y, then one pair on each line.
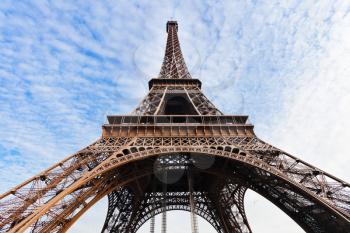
x,y
313,122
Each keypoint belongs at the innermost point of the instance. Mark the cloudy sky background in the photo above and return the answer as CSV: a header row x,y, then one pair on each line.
x,y
65,65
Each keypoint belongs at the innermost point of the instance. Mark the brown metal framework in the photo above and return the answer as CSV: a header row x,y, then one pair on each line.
x,y
177,151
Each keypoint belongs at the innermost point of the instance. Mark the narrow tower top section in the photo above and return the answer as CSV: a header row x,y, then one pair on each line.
x,y
171,24
174,66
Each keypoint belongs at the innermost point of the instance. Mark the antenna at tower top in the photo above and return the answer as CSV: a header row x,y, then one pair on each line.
x,y
171,24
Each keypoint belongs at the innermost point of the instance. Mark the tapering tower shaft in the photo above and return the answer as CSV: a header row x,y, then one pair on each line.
x,y
174,91
174,66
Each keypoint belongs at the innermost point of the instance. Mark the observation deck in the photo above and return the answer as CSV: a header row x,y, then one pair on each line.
x,y
177,125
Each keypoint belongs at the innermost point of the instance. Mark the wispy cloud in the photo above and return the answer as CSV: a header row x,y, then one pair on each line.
x,y
64,66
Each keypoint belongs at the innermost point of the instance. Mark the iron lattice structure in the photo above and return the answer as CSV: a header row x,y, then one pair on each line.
x,y
176,151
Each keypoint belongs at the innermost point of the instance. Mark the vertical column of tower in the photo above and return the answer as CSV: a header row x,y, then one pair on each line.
x,y
194,225
153,219
152,224
165,178
174,66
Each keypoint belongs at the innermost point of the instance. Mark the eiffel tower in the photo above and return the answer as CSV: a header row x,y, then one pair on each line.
x,y
176,151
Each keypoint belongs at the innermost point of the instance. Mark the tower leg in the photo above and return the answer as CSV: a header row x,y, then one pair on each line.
x,y
165,178
194,225
152,224
228,204
120,210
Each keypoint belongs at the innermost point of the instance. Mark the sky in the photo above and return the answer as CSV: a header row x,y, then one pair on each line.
x,y
66,65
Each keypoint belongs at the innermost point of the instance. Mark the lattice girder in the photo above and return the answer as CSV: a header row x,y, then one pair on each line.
x,y
173,202
154,101
174,66
177,198
235,149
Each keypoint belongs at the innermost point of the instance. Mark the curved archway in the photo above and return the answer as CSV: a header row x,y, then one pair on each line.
x,y
255,206
180,219
253,173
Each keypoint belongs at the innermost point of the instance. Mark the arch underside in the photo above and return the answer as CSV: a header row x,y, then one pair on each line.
x,y
316,201
153,204
220,203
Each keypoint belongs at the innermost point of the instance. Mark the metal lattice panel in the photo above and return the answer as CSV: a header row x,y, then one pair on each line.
x,y
150,104
206,202
174,65
154,101
90,184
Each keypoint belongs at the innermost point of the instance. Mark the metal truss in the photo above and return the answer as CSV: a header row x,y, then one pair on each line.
x,y
203,105
57,197
210,203
220,154
153,103
119,217
174,66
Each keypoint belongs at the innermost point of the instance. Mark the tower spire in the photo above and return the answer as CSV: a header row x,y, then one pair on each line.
x,y
174,66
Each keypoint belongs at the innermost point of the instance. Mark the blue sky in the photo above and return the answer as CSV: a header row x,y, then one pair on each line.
x,y
65,65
